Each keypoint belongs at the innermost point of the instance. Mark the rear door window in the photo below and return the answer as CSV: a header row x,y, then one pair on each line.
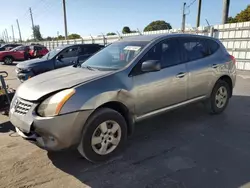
x,y
194,48
91,49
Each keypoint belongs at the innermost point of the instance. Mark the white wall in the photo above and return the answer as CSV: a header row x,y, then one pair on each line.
x,y
235,37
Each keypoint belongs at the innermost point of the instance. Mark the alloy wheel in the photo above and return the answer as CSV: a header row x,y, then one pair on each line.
x,y
106,137
221,97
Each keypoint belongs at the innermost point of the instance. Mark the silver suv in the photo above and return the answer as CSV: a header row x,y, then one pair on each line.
x,y
95,105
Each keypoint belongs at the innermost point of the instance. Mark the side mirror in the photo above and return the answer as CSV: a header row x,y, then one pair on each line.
x,y
151,66
76,63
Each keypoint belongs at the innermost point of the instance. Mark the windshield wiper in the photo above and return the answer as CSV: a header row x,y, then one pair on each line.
x,y
88,67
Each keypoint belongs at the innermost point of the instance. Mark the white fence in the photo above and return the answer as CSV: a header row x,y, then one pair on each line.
x,y
235,37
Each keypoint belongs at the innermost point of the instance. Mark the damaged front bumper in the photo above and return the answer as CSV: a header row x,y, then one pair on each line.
x,y
50,133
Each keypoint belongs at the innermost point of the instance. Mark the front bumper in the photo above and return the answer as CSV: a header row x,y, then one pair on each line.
x,y
22,76
50,133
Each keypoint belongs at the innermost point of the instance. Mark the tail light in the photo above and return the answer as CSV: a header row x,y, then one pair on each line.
x,y
233,59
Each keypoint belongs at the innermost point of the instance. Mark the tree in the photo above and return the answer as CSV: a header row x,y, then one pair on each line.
x,y
37,33
1,41
48,38
111,33
74,36
231,20
60,37
243,16
126,30
158,25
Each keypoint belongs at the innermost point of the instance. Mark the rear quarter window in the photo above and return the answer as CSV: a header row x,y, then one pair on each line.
x,y
194,48
213,46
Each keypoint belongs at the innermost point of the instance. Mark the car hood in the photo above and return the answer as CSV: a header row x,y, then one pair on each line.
x,y
31,63
52,81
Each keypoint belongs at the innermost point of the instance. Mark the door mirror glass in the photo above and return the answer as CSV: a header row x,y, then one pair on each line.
x,y
151,66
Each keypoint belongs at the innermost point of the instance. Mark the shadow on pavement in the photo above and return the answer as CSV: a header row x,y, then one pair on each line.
x,y
13,64
171,149
6,127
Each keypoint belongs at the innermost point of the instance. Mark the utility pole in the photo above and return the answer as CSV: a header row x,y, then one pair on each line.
x,y
226,4
6,32
199,14
183,18
13,34
4,37
65,20
20,36
32,21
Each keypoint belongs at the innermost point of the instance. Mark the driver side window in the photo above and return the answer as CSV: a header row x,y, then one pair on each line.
x,y
165,51
69,52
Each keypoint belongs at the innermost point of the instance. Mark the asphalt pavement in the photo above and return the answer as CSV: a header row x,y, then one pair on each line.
x,y
186,148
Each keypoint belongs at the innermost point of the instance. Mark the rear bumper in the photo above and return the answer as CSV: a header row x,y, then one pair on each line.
x,y
51,133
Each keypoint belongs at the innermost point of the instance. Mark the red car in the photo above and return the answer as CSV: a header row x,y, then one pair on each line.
x,y
37,51
19,53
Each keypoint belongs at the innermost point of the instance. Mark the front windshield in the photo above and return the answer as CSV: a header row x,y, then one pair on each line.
x,y
115,56
52,53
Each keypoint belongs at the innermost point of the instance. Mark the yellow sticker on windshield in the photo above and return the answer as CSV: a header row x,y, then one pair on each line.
x,y
132,48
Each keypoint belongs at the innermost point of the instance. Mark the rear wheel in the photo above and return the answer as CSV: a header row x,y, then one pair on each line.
x,y
219,98
8,60
104,135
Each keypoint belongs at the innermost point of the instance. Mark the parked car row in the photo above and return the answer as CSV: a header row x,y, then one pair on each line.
x,y
21,53
59,57
94,105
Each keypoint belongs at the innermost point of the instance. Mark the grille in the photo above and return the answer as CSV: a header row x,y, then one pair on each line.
x,y
21,107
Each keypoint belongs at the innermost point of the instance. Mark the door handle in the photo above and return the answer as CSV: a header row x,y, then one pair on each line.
x,y
215,66
180,75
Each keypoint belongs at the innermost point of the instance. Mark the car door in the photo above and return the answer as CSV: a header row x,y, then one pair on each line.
x,y
157,90
198,66
18,54
67,57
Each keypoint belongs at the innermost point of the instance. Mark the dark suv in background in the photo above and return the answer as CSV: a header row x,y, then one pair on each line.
x,y
59,57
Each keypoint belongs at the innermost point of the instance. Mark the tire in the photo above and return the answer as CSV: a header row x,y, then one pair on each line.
x,y
8,60
92,127
213,105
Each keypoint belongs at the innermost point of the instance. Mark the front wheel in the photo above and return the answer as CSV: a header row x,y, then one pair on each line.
x,y
219,98
8,60
103,136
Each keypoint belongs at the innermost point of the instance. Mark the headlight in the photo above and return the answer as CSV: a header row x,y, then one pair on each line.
x,y
23,70
53,105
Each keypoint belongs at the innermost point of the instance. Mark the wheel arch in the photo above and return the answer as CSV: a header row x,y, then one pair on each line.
x,y
124,111
8,56
227,79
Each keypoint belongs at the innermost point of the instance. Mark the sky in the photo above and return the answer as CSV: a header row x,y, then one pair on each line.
x,y
95,17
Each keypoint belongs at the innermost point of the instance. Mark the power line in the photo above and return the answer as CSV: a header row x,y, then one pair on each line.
x,y
191,3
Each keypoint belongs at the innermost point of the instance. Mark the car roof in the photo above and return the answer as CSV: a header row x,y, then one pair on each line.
x,y
153,37
69,45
